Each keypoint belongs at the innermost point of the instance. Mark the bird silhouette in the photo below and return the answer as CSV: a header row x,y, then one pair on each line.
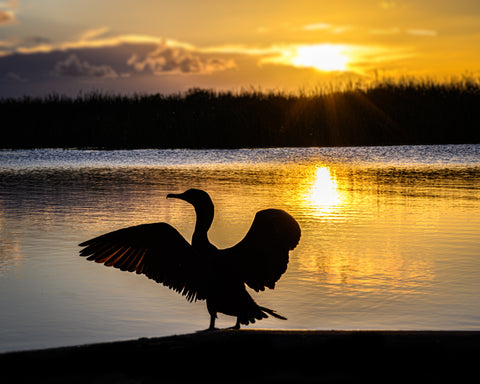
x,y
201,271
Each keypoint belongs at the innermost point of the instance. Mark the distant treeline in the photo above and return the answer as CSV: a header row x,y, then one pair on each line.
x,y
387,113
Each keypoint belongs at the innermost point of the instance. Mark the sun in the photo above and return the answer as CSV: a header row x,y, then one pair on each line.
x,y
323,57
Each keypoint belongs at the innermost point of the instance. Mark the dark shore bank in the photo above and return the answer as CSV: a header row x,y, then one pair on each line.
x,y
402,113
258,356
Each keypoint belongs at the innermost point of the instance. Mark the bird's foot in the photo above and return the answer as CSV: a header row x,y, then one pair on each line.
x,y
236,326
208,330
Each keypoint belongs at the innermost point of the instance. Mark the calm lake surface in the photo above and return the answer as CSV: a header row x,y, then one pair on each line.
x,y
390,238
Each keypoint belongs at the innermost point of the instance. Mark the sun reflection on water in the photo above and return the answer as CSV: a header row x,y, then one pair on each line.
x,y
323,193
353,245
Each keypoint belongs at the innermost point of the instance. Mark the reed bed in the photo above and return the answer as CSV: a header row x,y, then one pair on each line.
x,y
388,112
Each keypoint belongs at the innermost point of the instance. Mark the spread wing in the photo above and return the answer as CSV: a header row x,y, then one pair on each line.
x,y
262,256
156,250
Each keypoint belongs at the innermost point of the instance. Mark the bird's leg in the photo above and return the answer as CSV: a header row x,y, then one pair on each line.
x,y
212,322
237,324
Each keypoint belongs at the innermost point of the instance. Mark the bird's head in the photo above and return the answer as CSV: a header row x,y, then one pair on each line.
x,y
198,198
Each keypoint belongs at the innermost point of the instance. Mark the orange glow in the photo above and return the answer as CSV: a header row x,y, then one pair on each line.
x,y
303,45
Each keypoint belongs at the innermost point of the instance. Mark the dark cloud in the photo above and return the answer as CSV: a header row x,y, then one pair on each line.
x,y
128,67
171,59
13,77
36,40
74,70
74,67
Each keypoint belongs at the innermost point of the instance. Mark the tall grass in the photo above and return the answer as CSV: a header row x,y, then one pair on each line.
x,y
387,112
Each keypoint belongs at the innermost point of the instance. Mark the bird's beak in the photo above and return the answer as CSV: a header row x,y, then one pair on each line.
x,y
175,196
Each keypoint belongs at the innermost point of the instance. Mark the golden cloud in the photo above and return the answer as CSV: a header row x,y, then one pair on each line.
x,y
174,58
6,17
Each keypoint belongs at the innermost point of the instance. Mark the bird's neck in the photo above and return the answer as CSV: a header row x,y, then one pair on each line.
x,y
202,225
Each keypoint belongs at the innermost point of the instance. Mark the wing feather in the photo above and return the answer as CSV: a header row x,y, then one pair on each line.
x,y
262,256
156,250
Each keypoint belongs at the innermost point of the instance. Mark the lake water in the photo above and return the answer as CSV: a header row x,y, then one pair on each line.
x,y
390,238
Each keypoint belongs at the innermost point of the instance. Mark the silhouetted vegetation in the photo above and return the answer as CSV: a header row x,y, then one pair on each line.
x,y
386,113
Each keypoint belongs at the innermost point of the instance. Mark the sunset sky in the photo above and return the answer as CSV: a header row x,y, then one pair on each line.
x,y
144,46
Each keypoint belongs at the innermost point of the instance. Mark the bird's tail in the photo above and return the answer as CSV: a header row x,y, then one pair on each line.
x,y
272,313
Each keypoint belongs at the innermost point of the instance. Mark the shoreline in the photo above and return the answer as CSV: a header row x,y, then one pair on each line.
x,y
233,148
256,356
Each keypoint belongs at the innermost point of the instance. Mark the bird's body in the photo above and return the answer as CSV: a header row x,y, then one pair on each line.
x,y
200,271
